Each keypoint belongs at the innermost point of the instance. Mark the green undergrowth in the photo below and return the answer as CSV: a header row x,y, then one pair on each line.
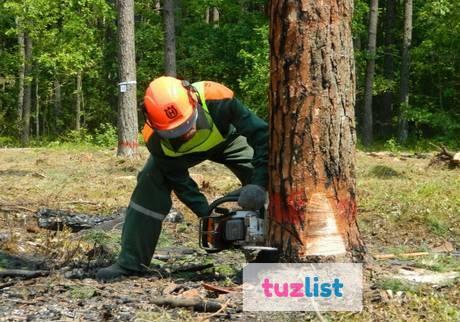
x,y
400,195
413,145
109,241
105,136
438,263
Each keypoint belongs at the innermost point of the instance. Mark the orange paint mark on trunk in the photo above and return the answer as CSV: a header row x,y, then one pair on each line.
x,y
290,210
131,145
346,209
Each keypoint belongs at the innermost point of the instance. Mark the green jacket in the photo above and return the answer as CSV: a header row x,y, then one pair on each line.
x,y
232,120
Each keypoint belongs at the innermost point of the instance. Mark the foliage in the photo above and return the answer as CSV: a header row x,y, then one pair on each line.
x,y
78,137
80,36
106,135
254,83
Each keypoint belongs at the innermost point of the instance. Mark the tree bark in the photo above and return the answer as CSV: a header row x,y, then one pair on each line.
x,y
22,58
57,105
127,112
388,65
207,15
370,71
27,90
170,38
405,63
37,109
78,102
312,130
215,16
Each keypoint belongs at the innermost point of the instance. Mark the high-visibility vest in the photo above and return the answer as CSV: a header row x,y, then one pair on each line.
x,y
203,140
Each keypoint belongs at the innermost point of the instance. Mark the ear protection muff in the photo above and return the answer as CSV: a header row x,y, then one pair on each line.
x,y
191,89
144,112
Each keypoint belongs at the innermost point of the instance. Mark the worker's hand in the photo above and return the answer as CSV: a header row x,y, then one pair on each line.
x,y
252,197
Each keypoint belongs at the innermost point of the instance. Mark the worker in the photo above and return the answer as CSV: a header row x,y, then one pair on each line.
x,y
185,125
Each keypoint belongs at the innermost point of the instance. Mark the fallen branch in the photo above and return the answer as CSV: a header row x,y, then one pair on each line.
x,y
217,312
58,219
4,285
445,157
218,289
22,273
79,202
196,303
10,208
388,256
192,268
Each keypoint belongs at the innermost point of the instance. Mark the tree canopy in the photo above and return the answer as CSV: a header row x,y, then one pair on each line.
x,y
220,40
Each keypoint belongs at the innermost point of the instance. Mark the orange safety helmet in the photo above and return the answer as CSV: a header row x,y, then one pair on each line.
x,y
170,106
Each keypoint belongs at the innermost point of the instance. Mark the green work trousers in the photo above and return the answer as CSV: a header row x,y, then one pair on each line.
x,y
151,199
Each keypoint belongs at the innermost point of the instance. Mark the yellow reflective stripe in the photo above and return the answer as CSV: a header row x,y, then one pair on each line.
x,y
215,137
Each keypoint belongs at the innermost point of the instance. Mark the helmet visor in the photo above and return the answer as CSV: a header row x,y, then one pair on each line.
x,y
181,129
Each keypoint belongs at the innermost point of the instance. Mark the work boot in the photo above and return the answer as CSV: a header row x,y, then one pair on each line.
x,y
113,272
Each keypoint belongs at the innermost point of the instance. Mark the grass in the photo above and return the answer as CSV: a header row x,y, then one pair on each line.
x,y
396,285
82,292
383,172
425,201
438,263
403,207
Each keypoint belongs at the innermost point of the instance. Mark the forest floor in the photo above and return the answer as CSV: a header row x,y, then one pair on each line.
x,y
404,207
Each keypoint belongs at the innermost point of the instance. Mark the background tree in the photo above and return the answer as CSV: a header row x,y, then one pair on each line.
x,y
312,130
368,127
404,89
27,101
72,37
170,38
21,63
388,66
127,113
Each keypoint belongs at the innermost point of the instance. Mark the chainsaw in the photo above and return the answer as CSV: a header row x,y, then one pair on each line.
x,y
227,228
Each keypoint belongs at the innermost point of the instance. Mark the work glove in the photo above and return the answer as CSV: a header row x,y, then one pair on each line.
x,y
252,197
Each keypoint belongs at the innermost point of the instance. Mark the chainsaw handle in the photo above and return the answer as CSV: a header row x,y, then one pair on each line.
x,y
220,201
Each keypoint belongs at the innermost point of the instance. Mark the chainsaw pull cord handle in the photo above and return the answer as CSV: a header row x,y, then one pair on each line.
x,y
217,202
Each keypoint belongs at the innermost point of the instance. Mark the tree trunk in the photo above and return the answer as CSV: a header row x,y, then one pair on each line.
x,y
78,102
368,122
57,105
207,15
312,130
405,62
127,112
27,90
22,58
170,38
388,65
214,16
37,109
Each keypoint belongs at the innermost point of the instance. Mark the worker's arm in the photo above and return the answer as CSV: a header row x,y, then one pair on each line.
x,y
249,125
186,189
